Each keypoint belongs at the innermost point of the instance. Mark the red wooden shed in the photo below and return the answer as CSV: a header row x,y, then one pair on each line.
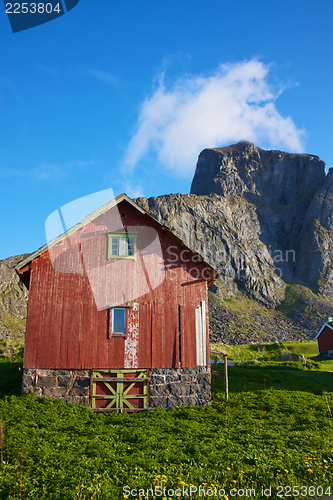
x,y
325,338
117,314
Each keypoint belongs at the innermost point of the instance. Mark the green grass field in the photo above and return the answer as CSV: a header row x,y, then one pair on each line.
x,y
275,431
274,351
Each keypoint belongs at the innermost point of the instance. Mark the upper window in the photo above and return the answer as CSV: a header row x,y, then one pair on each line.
x,y
122,246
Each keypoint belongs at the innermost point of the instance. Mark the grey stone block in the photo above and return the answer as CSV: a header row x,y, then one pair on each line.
x,y
203,378
26,390
57,392
28,381
179,389
194,389
71,399
46,381
79,391
189,400
159,390
157,371
82,382
32,390
44,372
172,377
181,401
187,378
158,402
157,379
29,371
65,381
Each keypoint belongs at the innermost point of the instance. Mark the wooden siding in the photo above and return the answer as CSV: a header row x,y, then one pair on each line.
x,y
325,340
73,285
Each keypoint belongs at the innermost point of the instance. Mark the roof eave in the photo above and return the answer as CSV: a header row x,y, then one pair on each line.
x,y
322,328
96,213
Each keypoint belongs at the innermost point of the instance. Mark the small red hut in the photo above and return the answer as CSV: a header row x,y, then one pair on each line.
x,y
117,314
325,338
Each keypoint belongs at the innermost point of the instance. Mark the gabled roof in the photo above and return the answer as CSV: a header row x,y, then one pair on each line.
x,y
25,264
322,328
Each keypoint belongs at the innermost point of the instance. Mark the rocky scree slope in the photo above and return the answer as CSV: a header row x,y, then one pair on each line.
x,y
13,306
264,220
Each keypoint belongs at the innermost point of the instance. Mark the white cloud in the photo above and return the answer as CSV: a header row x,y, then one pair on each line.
x,y
7,173
104,76
236,103
81,164
51,172
132,190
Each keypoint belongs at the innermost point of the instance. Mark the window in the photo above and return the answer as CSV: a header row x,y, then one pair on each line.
x,y
117,321
122,246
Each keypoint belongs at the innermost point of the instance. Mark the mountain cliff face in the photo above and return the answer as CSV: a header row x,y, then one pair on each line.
x,y
225,231
13,305
291,196
264,220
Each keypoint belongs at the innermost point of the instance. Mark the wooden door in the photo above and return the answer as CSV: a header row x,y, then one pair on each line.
x,y
119,390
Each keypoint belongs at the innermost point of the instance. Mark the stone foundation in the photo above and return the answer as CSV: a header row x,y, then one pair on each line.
x,y
73,386
170,387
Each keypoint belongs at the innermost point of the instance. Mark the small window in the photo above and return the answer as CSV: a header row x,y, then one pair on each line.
x,y
118,321
121,246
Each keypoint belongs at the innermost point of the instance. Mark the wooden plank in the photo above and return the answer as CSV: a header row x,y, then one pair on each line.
x,y
117,410
93,395
226,381
145,393
133,396
144,335
218,353
115,379
104,396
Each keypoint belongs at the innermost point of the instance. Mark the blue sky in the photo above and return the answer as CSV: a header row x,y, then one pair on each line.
x,y
125,95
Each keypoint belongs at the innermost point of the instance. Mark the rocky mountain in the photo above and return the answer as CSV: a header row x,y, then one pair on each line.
x,y
292,199
264,221
13,305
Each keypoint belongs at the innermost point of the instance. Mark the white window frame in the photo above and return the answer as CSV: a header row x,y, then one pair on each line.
x,y
111,322
120,237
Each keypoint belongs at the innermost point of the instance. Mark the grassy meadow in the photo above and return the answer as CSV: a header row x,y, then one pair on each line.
x,y
275,432
277,351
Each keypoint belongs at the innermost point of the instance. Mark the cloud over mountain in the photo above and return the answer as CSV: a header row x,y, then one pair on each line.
x,y
236,103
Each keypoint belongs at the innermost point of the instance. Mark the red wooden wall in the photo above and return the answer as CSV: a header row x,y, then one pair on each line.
x,y
325,339
73,284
